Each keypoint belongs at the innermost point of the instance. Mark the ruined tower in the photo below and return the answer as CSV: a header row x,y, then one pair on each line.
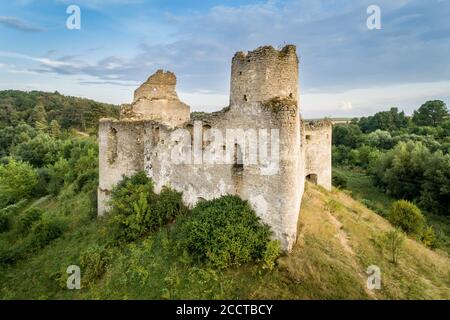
x,y
264,73
156,99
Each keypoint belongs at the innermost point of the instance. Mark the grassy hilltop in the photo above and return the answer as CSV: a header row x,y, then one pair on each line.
x,y
338,239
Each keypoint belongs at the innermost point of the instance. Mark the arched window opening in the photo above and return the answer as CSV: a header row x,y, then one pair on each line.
x,y
312,178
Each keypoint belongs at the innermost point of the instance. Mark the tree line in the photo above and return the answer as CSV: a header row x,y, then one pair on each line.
x,y
408,157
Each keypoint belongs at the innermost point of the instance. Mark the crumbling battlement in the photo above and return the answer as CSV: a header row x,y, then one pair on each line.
x,y
317,141
263,74
263,107
160,85
156,99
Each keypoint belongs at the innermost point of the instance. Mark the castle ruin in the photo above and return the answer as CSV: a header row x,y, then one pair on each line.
x,y
270,152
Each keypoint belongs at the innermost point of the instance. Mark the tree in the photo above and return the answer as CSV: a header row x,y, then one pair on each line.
x,y
17,181
348,135
406,216
40,117
39,151
385,120
431,113
401,170
393,241
379,139
435,195
55,128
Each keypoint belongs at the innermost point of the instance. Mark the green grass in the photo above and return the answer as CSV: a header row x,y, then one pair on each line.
x,y
329,261
362,188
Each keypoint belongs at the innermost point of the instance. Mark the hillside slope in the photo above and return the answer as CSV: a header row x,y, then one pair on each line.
x,y
338,239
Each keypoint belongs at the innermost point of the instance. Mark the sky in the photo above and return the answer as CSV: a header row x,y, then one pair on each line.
x,y
346,69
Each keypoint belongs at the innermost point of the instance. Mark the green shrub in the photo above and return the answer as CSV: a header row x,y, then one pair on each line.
x,y
93,262
4,222
429,238
130,210
30,217
18,180
332,206
393,242
168,207
137,210
14,209
45,231
273,251
225,232
339,180
10,255
58,174
406,216
9,211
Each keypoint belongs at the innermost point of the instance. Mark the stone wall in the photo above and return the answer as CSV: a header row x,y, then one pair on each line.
x,y
318,141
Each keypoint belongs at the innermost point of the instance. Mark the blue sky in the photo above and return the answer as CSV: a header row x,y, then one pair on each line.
x,y
345,69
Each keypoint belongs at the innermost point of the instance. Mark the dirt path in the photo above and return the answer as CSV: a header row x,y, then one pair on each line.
x,y
342,236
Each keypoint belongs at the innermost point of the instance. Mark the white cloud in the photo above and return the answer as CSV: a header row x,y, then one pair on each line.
x,y
19,24
100,4
365,101
346,105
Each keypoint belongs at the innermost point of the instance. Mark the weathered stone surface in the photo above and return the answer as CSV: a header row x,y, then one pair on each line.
x,y
263,97
318,142
156,99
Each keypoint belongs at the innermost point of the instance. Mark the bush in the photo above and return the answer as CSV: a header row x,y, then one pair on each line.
x,y
339,180
10,255
407,216
400,170
40,151
226,232
130,211
137,210
429,238
29,218
393,241
94,262
7,212
168,207
332,206
273,251
58,173
4,223
18,180
46,231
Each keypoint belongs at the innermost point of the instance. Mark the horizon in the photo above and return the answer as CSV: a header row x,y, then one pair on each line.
x,y
346,70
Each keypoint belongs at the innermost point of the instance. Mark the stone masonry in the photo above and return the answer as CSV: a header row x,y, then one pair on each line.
x,y
156,130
